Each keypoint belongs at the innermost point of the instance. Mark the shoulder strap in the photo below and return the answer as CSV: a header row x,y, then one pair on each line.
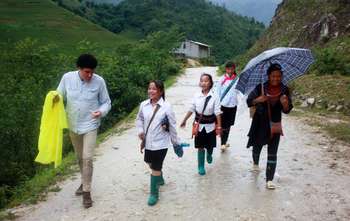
x,y
154,113
228,89
205,105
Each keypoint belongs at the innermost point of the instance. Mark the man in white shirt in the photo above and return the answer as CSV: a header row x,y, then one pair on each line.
x,y
87,101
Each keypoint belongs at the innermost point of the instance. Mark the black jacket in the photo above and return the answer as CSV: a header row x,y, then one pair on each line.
x,y
259,133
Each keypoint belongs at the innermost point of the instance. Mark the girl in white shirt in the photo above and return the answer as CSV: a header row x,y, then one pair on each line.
x,y
209,121
228,101
158,134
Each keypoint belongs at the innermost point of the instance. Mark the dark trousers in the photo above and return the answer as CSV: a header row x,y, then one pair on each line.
x,y
272,148
224,135
210,151
228,118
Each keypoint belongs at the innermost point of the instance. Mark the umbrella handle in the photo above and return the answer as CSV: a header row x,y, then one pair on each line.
x,y
262,89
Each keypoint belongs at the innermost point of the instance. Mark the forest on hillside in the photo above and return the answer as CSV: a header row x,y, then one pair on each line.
x,y
228,33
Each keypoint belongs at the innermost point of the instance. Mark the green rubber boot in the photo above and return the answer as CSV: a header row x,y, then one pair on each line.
x,y
201,161
161,181
154,191
209,158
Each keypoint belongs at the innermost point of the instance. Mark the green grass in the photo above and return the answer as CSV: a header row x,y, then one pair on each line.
x,y
331,88
340,131
334,124
170,81
51,24
7,216
37,188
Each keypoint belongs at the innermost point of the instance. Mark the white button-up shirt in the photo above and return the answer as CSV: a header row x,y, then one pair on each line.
x,y
157,138
230,99
213,107
82,99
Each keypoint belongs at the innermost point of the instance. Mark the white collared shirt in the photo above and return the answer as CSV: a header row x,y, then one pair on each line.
x,y
157,138
230,99
213,107
83,98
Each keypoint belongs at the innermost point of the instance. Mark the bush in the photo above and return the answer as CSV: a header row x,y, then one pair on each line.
x,y
28,72
329,61
209,61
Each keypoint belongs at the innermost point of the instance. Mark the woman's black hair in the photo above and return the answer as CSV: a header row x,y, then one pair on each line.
x,y
86,61
160,86
274,67
210,79
230,64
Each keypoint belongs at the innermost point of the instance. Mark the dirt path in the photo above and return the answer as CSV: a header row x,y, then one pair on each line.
x,y
313,185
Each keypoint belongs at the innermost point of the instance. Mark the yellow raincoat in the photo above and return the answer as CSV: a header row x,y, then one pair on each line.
x,y
53,121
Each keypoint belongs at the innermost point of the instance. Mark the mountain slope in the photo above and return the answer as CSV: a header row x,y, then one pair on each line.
x,y
225,31
313,24
262,10
45,21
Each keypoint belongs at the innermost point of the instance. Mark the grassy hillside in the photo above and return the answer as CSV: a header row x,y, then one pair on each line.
x,y
49,24
228,33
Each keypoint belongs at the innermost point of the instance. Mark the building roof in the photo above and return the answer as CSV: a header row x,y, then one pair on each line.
x,y
199,43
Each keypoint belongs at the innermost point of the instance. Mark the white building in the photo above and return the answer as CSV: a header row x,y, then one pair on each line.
x,y
193,49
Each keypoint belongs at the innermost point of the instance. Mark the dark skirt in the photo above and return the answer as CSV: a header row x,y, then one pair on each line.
x,y
228,116
155,158
205,140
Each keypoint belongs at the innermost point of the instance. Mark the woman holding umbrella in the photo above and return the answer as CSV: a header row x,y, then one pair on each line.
x,y
276,67
270,100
